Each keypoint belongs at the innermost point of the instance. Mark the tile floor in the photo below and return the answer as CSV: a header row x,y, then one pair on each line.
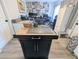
x,y
13,51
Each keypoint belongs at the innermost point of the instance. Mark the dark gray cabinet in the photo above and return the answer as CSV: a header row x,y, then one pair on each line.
x,y
36,42
36,47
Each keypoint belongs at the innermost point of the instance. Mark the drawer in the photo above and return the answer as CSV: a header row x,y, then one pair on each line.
x,y
31,38
36,37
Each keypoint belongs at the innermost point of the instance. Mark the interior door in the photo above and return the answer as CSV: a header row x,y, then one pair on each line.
x,y
5,33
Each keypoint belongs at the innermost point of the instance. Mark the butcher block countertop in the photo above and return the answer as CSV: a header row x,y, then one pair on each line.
x,y
40,31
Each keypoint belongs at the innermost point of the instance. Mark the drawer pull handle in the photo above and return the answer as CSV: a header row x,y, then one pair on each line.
x,y
36,38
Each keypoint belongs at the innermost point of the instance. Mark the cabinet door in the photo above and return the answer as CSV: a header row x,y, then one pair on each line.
x,y
5,33
44,47
28,48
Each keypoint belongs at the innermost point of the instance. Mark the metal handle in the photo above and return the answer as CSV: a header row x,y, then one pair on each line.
x,y
36,48
36,37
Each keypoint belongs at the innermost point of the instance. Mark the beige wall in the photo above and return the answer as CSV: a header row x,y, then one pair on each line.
x,y
11,8
60,18
11,11
5,34
63,16
74,30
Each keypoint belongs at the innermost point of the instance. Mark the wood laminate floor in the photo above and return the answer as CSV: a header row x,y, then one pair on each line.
x,y
13,51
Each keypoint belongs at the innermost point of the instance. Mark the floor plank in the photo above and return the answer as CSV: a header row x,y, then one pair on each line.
x,y
13,51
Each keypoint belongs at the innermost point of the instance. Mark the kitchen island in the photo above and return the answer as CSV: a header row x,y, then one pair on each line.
x,y
36,41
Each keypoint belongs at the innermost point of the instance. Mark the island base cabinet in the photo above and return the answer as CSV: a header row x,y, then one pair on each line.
x,y
35,49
